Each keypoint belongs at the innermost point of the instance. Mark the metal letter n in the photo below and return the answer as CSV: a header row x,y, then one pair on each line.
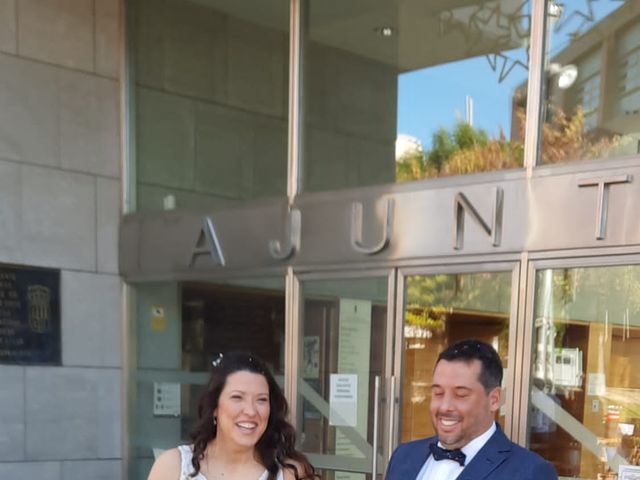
x,y
462,205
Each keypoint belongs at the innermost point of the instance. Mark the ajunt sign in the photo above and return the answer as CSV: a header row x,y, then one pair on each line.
x,y
507,212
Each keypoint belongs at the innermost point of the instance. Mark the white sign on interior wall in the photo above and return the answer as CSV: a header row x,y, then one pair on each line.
x,y
166,399
354,351
596,384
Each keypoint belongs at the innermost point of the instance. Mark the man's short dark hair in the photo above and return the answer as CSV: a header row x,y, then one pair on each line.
x,y
470,350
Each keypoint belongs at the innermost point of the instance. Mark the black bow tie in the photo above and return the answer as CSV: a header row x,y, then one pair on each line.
x,y
440,453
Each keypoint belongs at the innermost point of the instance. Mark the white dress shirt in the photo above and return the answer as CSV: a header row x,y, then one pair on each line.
x,y
450,469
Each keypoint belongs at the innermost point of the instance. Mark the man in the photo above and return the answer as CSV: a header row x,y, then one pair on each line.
x,y
469,444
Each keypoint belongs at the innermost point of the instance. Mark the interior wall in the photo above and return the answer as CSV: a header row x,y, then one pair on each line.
x,y
212,108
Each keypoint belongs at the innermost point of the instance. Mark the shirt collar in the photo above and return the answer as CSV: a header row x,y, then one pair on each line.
x,y
473,447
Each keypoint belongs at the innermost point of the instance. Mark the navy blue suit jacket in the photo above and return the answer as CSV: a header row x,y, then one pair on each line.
x,y
499,459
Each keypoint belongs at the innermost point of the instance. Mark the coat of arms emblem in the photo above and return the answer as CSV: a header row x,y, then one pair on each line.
x,y
39,300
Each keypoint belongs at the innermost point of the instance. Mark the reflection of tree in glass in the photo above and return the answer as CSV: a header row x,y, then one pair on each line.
x,y
430,299
469,150
426,300
566,138
464,150
592,294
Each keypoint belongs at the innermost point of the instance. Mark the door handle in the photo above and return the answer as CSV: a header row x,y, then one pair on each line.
x,y
376,411
392,415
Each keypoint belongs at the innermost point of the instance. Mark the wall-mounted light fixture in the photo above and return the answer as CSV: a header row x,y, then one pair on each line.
x,y
566,74
385,31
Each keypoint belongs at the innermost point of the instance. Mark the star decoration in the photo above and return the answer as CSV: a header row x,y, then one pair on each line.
x,y
514,24
584,17
505,63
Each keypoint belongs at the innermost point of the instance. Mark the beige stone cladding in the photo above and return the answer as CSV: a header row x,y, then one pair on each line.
x,y
59,208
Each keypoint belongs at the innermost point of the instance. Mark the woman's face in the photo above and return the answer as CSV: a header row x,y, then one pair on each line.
x,y
243,409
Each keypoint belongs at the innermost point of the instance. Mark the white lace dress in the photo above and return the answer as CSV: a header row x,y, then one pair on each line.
x,y
186,454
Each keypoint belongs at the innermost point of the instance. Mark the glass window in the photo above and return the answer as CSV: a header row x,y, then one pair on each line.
x,y
586,93
628,60
591,106
211,101
441,310
396,90
585,407
178,330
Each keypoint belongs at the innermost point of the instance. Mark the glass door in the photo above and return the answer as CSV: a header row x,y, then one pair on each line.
x,y
344,365
584,402
438,307
178,328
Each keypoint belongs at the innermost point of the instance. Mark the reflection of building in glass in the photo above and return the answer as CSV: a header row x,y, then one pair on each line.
x,y
607,89
591,381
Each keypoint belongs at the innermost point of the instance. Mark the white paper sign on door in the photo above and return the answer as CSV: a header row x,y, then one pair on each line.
x,y
596,384
166,399
343,400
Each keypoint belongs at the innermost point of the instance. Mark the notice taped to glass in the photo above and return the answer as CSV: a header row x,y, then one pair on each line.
x,y
29,316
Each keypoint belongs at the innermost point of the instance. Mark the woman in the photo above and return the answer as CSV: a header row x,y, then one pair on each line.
x,y
241,433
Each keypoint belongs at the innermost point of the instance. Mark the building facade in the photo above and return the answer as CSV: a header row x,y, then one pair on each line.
x,y
182,178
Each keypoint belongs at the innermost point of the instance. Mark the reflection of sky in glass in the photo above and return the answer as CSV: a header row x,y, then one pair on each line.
x,y
435,97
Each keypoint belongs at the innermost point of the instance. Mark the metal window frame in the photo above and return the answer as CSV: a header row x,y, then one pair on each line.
x,y
127,205
535,91
555,260
515,316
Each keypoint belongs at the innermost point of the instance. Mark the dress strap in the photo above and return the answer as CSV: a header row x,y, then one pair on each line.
x,y
186,454
265,475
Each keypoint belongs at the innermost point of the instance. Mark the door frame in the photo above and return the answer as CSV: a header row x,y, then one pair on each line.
x,y
515,320
554,260
298,278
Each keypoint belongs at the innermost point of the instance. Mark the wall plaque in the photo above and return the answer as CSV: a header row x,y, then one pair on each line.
x,y
29,316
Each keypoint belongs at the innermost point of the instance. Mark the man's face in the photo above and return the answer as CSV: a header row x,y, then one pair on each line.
x,y
461,409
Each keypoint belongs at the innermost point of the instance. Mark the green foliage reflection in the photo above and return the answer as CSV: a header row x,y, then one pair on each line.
x,y
432,298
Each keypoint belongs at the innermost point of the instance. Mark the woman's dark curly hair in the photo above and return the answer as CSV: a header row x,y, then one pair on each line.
x,y
276,447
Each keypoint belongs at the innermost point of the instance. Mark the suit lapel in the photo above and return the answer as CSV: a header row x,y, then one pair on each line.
x,y
413,463
494,452
413,467
412,458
